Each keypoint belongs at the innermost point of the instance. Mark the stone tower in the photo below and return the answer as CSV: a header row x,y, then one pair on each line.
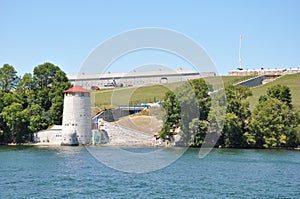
x,y
76,124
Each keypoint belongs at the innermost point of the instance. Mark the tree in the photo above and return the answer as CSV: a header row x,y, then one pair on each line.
x,y
235,94
56,110
198,129
237,116
8,78
171,118
271,124
24,89
187,109
274,123
39,119
195,101
233,131
43,75
46,103
282,93
7,98
5,135
31,103
59,85
17,120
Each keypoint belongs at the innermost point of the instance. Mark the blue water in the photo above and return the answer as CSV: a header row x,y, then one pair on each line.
x,y
71,172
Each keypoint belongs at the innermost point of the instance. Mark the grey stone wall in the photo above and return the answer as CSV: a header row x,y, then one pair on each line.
x,y
253,82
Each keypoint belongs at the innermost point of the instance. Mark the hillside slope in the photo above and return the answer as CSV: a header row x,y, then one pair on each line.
x,y
144,94
292,81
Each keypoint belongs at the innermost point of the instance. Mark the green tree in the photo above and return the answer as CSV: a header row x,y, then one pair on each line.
x,y
271,124
6,99
24,89
195,101
59,85
198,129
233,131
237,116
43,77
31,103
235,94
5,135
282,93
39,119
172,117
46,102
8,78
16,119
56,110
274,123
187,111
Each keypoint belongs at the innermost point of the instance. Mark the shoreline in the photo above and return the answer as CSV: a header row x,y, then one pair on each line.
x,y
132,146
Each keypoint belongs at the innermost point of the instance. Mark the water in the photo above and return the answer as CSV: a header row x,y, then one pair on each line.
x,y
71,172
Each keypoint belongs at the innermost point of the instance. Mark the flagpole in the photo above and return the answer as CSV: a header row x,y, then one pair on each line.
x,y
240,53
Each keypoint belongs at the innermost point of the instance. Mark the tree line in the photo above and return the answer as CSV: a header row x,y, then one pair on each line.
x,y
30,103
272,124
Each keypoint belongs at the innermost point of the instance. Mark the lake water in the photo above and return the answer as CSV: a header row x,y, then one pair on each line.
x,y
72,172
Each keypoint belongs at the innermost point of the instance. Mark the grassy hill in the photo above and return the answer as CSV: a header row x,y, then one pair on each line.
x,y
104,98
145,94
292,81
232,79
136,95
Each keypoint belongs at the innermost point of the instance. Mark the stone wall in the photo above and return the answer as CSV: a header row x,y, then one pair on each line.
x,y
253,82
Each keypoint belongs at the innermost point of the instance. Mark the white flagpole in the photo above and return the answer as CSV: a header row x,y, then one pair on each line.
x,y
240,53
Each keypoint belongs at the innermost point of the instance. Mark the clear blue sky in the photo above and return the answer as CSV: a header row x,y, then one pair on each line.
x,y
65,32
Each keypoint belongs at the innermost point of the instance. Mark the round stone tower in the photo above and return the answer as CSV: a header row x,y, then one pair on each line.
x,y
76,124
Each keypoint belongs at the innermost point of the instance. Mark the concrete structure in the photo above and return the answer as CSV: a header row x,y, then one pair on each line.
x,y
121,136
266,72
253,82
51,136
261,76
76,125
135,78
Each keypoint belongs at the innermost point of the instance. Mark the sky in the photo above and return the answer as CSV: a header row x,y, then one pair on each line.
x,y
64,33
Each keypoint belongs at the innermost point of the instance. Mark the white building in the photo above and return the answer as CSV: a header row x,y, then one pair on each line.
x,y
50,136
135,78
263,71
76,124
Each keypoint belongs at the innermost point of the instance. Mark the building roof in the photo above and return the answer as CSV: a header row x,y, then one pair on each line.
x,y
77,89
132,74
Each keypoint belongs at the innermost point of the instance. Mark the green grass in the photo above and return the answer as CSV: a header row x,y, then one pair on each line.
x,y
292,81
131,95
230,79
145,94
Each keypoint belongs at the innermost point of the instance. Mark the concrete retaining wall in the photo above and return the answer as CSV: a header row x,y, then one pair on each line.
x,y
253,82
